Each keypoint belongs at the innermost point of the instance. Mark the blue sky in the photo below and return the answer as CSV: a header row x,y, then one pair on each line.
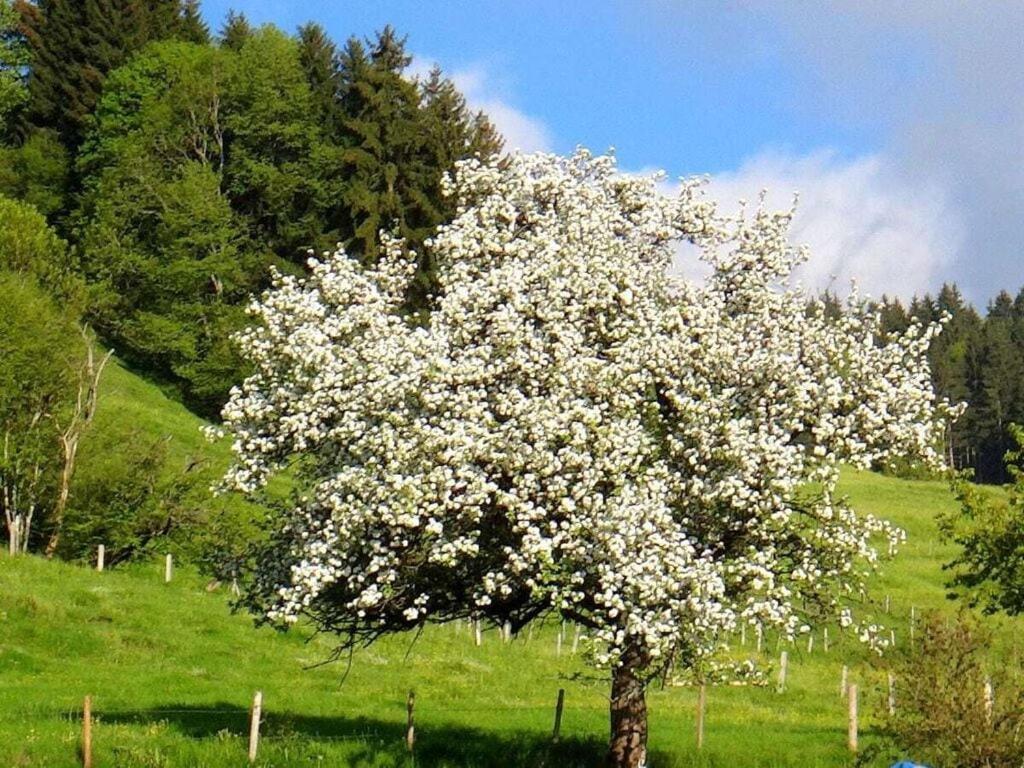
x,y
901,125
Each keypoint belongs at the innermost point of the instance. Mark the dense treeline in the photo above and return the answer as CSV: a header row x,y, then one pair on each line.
x,y
181,167
977,359
151,176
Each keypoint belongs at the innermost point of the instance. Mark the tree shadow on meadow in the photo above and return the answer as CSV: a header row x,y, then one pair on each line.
x,y
369,740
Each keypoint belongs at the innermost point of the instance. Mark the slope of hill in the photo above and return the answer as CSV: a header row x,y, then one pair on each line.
x,y
172,672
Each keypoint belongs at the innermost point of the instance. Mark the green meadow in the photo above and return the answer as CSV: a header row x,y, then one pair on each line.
x,y
172,670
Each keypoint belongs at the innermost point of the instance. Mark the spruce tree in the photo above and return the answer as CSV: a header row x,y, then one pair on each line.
x,y
74,44
236,31
318,56
191,27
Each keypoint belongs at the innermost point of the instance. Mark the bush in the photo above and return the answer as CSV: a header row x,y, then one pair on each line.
x,y
942,716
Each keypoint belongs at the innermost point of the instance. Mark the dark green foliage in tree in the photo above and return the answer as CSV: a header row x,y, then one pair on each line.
x,y
235,32
280,172
130,497
14,59
169,263
191,27
997,400
74,45
38,172
398,141
30,247
989,529
894,317
318,56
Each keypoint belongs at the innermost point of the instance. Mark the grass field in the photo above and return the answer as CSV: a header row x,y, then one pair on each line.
x,y
172,673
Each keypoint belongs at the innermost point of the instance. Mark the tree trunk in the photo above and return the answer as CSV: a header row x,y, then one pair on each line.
x,y
628,748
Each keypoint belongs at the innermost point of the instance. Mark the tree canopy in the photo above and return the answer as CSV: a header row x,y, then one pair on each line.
x,y
573,429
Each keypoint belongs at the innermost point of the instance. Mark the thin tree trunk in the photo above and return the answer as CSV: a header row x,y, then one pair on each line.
x,y
628,747
81,417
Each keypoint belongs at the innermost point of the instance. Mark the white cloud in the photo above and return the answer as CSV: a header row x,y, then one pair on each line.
x,y
483,90
860,218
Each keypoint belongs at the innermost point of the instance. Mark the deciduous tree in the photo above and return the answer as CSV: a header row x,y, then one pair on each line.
x,y
573,429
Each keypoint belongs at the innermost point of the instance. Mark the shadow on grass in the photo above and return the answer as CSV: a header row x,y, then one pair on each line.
x,y
368,740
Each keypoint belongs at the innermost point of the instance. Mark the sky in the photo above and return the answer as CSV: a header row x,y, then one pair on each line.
x,y
900,125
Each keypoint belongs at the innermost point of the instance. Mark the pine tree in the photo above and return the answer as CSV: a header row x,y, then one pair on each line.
x,y
236,31
74,44
385,161
319,58
192,28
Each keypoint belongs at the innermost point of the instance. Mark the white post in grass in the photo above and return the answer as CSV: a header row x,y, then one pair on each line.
x,y
254,725
989,700
810,644
783,666
101,557
824,640
743,634
701,704
851,733
168,568
843,682
576,640
477,634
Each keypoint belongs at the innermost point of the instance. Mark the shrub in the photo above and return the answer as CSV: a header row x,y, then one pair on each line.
x,y
943,716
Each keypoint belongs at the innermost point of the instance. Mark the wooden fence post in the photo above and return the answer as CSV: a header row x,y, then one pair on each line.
x,y
255,714
477,634
168,568
913,618
783,664
506,631
851,733
892,695
743,633
558,714
760,637
101,557
87,732
576,640
888,604
810,643
410,731
842,682
989,700
824,640
701,703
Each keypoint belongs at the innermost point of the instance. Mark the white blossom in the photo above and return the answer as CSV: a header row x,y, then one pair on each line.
x,y
573,428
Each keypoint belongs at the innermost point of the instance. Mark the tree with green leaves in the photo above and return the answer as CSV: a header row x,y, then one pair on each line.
x,y
74,45
14,58
169,263
318,56
235,31
192,28
398,140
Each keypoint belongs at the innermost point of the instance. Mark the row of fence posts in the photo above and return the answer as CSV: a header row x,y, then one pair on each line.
x,y
847,690
256,720
101,563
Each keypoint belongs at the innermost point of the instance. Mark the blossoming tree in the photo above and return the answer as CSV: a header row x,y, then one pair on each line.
x,y
574,429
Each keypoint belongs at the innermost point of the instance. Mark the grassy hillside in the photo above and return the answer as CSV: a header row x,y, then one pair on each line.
x,y
129,402
172,673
